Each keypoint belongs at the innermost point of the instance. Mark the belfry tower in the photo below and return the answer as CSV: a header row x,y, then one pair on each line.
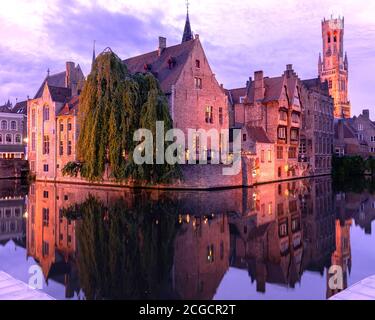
x,y
334,65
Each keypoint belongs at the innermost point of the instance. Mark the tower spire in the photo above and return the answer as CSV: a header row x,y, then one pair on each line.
x,y
188,35
93,55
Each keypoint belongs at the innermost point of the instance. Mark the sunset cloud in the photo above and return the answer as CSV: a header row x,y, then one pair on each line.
x,y
239,37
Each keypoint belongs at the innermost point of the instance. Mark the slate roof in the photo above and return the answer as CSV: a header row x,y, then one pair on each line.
x,y
60,94
5,109
56,80
236,94
20,107
257,134
167,67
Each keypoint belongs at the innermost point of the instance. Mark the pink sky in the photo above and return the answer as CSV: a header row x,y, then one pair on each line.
x,y
239,37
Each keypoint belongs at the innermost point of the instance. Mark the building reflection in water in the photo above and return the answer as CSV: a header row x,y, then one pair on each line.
x,y
123,244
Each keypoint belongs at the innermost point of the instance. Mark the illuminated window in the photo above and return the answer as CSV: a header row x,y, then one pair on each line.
x,y
209,114
269,156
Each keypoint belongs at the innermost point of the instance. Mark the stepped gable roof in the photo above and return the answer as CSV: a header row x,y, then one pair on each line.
x,y
166,67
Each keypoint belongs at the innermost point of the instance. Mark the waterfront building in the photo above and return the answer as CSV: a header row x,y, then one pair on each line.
x,y
317,136
334,67
365,130
275,105
196,99
13,130
47,111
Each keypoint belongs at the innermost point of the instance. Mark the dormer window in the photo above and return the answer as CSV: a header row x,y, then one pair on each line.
x,y
197,64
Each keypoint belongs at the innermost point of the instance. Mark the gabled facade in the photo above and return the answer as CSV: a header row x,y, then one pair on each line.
x,y
56,91
196,99
365,130
275,105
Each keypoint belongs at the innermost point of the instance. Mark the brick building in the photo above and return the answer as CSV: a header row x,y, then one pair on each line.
x,y
365,130
47,111
13,130
196,99
275,105
334,67
318,130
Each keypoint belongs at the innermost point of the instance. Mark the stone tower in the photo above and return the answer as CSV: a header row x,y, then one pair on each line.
x,y
334,65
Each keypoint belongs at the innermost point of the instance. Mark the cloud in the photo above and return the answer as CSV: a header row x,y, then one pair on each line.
x,y
239,37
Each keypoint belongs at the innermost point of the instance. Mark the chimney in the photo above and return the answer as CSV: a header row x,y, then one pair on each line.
x,y
69,77
258,86
366,113
197,36
162,45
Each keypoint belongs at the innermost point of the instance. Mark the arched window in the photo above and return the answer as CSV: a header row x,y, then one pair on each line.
x,y
335,37
8,138
329,37
4,125
45,113
18,138
13,125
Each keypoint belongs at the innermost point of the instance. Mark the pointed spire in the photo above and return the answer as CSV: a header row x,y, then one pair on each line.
x,y
346,63
93,55
188,35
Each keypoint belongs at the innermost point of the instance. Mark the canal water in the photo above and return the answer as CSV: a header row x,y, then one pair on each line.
x,y
277,241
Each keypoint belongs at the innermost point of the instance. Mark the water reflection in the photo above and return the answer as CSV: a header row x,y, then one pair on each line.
x,y
105,243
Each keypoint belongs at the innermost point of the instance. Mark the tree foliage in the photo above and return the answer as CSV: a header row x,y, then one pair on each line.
x,y
113,105
125,252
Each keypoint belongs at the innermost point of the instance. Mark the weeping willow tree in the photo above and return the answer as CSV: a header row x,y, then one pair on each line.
x,y
125,252
113,105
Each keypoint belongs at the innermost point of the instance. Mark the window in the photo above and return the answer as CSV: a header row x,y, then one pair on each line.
x,y
69,126
46,145
292,153
295,117
45,213
61,148
221,120
17,212
210,253
294,134
281,133
45,114
283,115
45,194
1,138
32,166
360,127
330,84
283,229
329,38
244,137
45,168
279,172
262,156
280,152
198,83
61,127
33,118
13,125
4,125
209,114
45,248
69,148
269,156
33,141
197,63
18,138
8,138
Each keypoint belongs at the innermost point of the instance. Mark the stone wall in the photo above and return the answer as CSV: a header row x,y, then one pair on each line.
x,y
13,168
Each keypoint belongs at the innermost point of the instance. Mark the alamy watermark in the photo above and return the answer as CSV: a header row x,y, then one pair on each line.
x,y
204,147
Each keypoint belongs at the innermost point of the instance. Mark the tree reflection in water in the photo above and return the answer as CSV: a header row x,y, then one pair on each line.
x,y
125,253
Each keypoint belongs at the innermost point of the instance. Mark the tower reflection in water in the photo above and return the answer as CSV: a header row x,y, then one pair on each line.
x,y
123,244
